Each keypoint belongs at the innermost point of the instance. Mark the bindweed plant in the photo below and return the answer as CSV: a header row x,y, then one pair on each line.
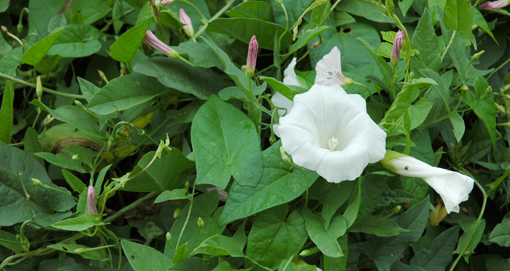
x,y
290,135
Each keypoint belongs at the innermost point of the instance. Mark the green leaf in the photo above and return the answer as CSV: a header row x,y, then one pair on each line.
x,y
92,10
501,233
218,245
325,239
278,185
253,9
76,40
76,116
10,61
439,254
379,226
124,92
352,211
41,12
458,125
4,5
274,237
458,17
386,250
305,38
294,10
426,42
174,73
226,144
199,54
244,28
32,144
285,90
364,9
36,52
87,88
470,242
172,195
405,5
62,160
383,65
45,203
165,173
419,112
9,241
76,184
84,251
7,113
80,223
181,253
143,258
485,108
331,195
125,47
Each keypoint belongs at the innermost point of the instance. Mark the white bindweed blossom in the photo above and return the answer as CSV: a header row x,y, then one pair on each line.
x,y
452,186
289,79
329,69
329,131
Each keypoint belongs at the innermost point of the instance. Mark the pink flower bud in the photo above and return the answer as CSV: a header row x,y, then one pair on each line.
x,y
151,40
188,26
91,201
397,45
165,2
251,62
221,193
495,4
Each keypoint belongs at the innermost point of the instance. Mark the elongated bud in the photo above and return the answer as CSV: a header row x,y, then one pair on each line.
x,y
153,41
200,224
168,237
39,88
251,61
165,2
188,26
308,252
37,182
397,209
315,44
397,45
75,157
476,56
285,157
177,212
436,217
348,81
103,76
91,201
495,4
222,194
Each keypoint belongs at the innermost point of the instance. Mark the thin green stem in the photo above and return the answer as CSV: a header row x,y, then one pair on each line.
x,y
452,40
216,16
187,218
477,222
129,207
72,96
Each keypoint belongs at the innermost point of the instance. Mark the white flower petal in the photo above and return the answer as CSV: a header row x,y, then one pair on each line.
x,y
452,186
328,114
329,69
289,75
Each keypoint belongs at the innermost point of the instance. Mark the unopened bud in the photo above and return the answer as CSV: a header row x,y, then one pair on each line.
x,y
397,45
285,157
153,41
188,26
348,81
75,157
222,194
177,212
91,201
19,27
476,56
251,61
500,108
37,182
315,44
39,88
200,224
79,250
165,2
308,252
4,29
279,2
464,88
390,7
78,103
397,209
168,237
102,75
186,185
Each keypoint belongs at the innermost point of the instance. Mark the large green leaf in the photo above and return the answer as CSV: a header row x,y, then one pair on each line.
x,y
46,204
124,92
199,54
380,226
7,113
252,9
325,238
176,74
274,237
458,17
144,258
226,144
36,52
426,42
439,254
76,40
92,10
244,28
165,173
41,13
364,9
10,61
79,223
76,116
384,251
124,48
278,185
294,10
501,233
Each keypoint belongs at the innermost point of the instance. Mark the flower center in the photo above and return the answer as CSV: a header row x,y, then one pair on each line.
x,y
332,143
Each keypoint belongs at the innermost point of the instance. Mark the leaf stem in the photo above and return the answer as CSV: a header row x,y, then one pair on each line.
x,y
187,217
14,79
452,40
130,206
216,16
